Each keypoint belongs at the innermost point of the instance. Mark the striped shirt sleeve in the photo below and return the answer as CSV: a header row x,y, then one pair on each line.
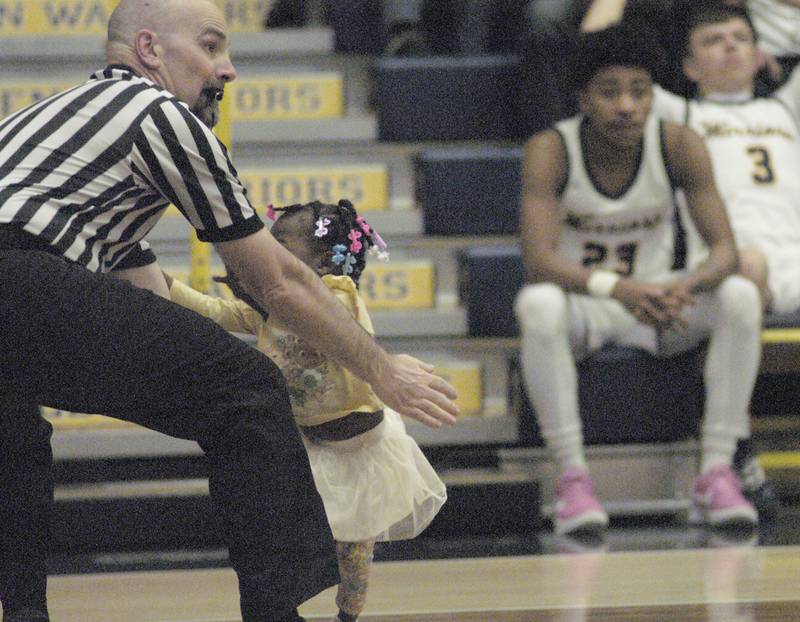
x,y
182,160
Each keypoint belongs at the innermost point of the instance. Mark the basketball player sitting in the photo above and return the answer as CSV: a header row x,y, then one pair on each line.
x,y
598,242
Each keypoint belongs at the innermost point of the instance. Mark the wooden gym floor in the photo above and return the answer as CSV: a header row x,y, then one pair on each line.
x,y
733,584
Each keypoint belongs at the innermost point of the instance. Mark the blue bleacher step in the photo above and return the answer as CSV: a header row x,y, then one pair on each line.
x,y
282,42
635,479
171,234
489,279
472,430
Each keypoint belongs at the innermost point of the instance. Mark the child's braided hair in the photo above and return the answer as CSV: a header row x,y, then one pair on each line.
x,y
337,232
336,226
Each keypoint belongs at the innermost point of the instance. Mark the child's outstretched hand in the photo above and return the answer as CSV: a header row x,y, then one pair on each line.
x,y
410,387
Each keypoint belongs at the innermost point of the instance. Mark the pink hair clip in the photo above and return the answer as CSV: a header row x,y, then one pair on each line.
x,y
353,237
271,211
363,224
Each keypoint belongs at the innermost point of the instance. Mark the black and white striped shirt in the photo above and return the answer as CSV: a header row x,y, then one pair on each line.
x,y
91,169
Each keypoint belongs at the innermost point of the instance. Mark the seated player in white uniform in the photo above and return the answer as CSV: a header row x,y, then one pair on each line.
x,y
755,151
598,242
754,144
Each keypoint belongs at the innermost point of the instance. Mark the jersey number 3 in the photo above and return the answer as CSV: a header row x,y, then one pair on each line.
x,y
762,165
625,255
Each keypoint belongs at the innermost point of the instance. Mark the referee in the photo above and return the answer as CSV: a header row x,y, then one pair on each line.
x,y
84,176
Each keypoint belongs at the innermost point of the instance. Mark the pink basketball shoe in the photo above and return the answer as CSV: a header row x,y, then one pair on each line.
x,y
718,497
577,508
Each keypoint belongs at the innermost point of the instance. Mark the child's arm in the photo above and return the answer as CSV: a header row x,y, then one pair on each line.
x,y
233,315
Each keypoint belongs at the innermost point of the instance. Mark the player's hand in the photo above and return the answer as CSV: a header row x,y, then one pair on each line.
x,y
678,295
409,386
648,302
768,63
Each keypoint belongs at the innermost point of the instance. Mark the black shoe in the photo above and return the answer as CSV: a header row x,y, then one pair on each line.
x,y
25,615
407,43
755,487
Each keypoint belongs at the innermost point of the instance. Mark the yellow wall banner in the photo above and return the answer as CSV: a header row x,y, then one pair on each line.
x,y
398,285
90,17
245,15
317,95
55,17
365,185
16,95
467,380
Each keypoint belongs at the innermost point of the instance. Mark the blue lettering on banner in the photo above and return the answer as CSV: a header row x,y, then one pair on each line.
x,y
12,13
74,13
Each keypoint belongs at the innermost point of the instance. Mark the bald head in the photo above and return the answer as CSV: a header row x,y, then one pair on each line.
x,y
160,16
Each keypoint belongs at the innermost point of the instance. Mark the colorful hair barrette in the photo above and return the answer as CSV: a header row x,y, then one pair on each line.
x,y
349,262
338,253
353,236
380,249
379,241
322,227
364,226
271,211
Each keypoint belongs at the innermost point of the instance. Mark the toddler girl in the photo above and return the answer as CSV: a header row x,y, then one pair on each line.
x,y
374,481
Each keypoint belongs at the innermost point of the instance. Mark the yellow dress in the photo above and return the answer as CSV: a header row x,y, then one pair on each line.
x,y
376,485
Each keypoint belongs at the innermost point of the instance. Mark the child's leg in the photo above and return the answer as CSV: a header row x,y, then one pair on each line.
x,y
355,559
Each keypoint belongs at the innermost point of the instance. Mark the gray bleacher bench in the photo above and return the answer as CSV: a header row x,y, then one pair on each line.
x,y
445,98
469,191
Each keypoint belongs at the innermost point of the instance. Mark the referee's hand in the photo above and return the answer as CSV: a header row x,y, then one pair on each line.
x,y
410,387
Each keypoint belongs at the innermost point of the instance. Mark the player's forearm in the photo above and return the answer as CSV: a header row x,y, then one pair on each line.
x,y
722,261
551,267
602,14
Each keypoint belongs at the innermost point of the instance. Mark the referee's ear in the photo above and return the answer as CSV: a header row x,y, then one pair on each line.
x,y
147,48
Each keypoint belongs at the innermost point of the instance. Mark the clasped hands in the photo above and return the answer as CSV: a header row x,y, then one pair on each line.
x,y
659,305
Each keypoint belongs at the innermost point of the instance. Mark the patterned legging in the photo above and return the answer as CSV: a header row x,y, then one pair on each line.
x,y
355,559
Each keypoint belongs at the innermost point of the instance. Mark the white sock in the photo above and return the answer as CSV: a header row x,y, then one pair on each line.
x,y
734,356
549,371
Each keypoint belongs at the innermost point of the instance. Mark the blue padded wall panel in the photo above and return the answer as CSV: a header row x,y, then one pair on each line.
x,y
489,279
444,98
469,191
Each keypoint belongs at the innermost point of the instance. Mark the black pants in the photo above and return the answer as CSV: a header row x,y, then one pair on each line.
x,y
85,342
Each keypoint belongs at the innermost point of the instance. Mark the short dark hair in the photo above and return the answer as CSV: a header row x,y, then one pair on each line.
x,y
712,12
624,44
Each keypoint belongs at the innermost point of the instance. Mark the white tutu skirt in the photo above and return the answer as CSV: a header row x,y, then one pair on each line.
x,y
377,485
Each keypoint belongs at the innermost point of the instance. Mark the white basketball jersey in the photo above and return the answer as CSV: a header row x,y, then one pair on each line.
x,y
755,148
633,233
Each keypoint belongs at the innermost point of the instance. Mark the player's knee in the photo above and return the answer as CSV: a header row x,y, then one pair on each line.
x,y
740,301
542,309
